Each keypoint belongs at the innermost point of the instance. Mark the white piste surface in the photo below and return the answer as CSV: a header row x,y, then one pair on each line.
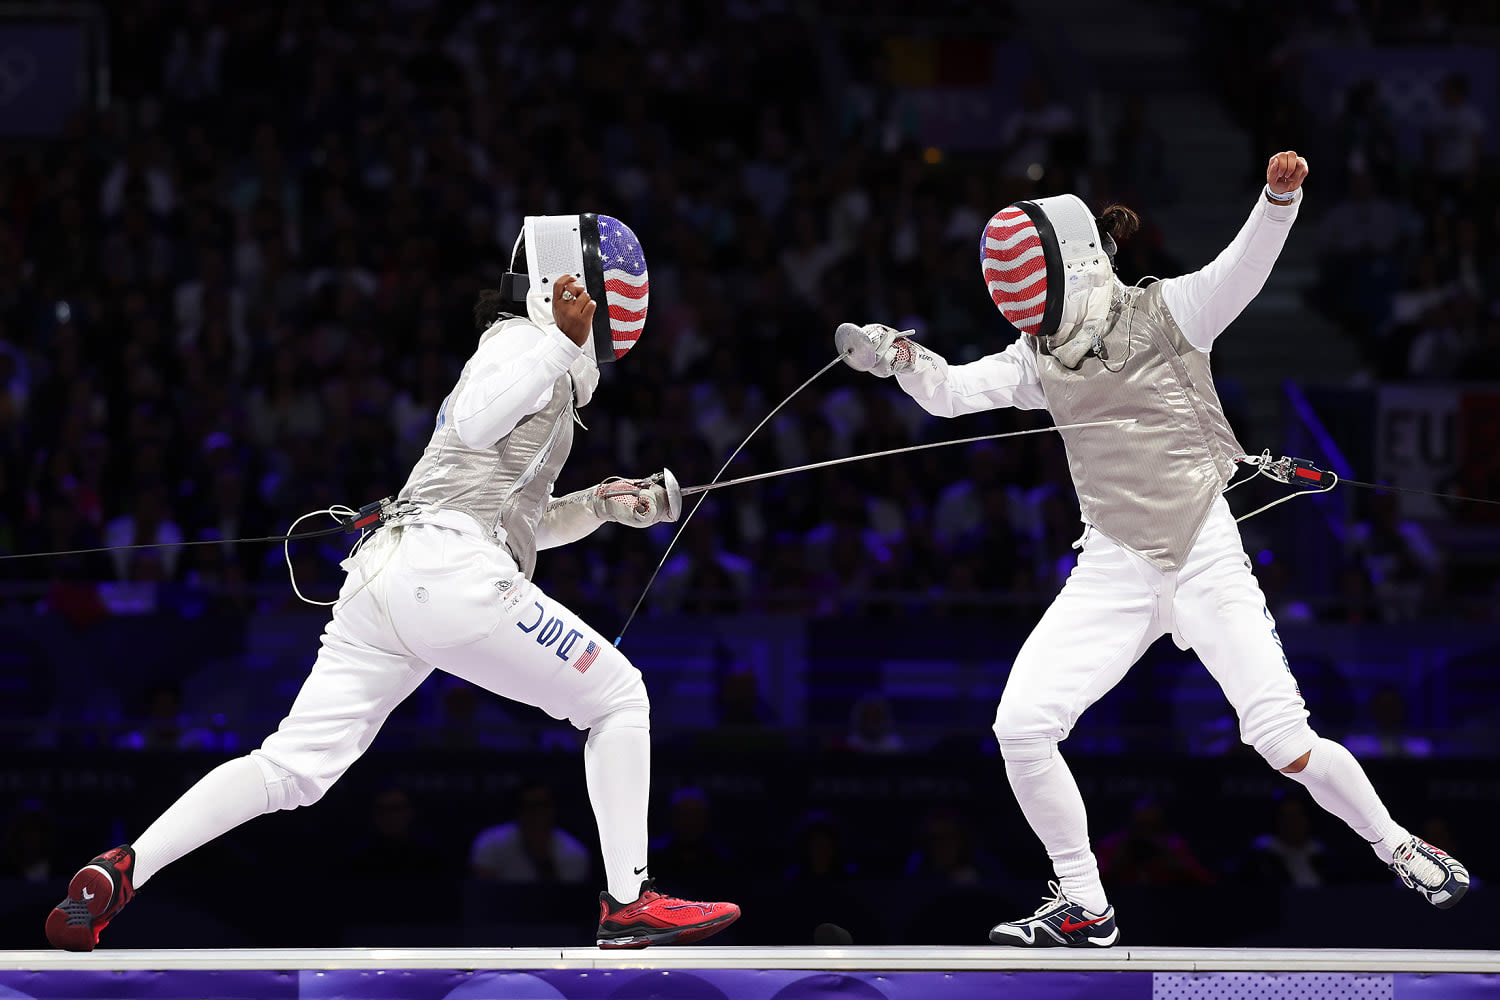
x,y
867,959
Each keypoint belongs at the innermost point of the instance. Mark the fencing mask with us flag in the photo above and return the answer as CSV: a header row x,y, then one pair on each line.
x,y
603,252
1049,273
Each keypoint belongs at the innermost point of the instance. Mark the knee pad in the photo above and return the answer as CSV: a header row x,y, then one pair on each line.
x,y
1022,735
1284,744
285,790
1026,750
628,708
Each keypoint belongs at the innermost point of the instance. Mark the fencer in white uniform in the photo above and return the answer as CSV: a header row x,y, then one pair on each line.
x,y
445,583
1161,553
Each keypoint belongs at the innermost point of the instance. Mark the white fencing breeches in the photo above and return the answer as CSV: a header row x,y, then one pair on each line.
x,y
1116,604
419,597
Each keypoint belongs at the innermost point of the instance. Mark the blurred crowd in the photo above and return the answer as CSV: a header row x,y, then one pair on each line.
x,y
240,293
701,842
238,296
1407,246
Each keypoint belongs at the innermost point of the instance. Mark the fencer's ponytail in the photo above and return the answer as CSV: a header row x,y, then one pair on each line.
x,y
489,307
1118,222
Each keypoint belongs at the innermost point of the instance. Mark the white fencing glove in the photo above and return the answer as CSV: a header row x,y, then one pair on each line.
x,y
874,348
639,503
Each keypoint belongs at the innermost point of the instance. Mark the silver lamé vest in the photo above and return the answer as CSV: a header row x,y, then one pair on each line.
x,y
1149,485
503,487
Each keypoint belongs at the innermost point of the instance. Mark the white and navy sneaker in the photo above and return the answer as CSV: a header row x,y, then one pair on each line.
x,y
1434,873
1059,923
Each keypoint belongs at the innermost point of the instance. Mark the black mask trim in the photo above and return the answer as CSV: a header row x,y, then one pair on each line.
x,y
1052,254
515,282
593,283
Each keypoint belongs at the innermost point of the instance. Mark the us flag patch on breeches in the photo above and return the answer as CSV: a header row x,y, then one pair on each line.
x,y
587,657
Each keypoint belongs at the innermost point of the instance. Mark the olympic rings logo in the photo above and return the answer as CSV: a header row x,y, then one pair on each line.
x,y
18,71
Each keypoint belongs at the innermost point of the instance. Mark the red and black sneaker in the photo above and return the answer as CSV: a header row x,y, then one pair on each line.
x,y
658,919
99,891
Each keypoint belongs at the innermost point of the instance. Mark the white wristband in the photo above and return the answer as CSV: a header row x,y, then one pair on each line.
x,y
1281,199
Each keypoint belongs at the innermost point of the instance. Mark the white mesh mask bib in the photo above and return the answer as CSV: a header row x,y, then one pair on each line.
x,y
1088,277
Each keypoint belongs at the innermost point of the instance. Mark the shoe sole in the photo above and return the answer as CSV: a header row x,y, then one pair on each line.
x,y
70,925
1048,941
1452,900
674,935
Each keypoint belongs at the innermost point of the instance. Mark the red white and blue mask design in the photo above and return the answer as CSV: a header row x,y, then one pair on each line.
x,y
606,255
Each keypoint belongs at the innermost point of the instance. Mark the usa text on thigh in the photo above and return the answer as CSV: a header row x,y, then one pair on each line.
x,y
1221,613
458,601
361,674
1101,623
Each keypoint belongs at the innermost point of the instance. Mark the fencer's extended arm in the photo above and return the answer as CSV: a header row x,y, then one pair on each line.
x,y
512,377
566,520
1205,302
1008,378
639,503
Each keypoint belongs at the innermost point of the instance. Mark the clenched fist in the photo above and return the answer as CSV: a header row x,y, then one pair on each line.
x,y
573,309
1286,172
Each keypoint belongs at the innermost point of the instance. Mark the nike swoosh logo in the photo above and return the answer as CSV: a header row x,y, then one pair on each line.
x,y
641,869
1068,926
87,895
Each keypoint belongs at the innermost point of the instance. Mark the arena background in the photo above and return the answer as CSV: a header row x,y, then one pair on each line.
x,y
238,249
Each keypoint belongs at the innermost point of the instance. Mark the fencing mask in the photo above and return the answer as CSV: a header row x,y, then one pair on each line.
x,y
604,253
1049,273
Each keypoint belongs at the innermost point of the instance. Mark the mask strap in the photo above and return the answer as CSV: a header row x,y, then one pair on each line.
x,y
1108,242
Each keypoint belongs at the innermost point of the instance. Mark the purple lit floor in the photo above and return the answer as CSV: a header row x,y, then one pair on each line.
x,y
867,973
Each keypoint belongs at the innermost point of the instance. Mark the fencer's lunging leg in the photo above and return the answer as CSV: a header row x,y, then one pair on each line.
x,y
1049,797
1338,783
1085,643
222,799
617,765
1221,611
541,653
346,698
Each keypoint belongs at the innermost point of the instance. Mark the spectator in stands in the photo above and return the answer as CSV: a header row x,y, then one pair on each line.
x,y
1142,167
1390,734
871,728
739,699
28,844
149,521
470,718
1455,134
1367,141
225,278
1404,566
1358,254
945,850
167,727
820,852
1148,852
394,847
690,852
1289,854
531,847
1032,134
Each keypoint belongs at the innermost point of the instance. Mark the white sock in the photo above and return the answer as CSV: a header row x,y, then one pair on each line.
x,y
1340,785
1052,804
617,765
222,799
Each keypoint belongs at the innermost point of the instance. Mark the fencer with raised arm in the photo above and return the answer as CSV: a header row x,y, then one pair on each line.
x,y
1161,553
